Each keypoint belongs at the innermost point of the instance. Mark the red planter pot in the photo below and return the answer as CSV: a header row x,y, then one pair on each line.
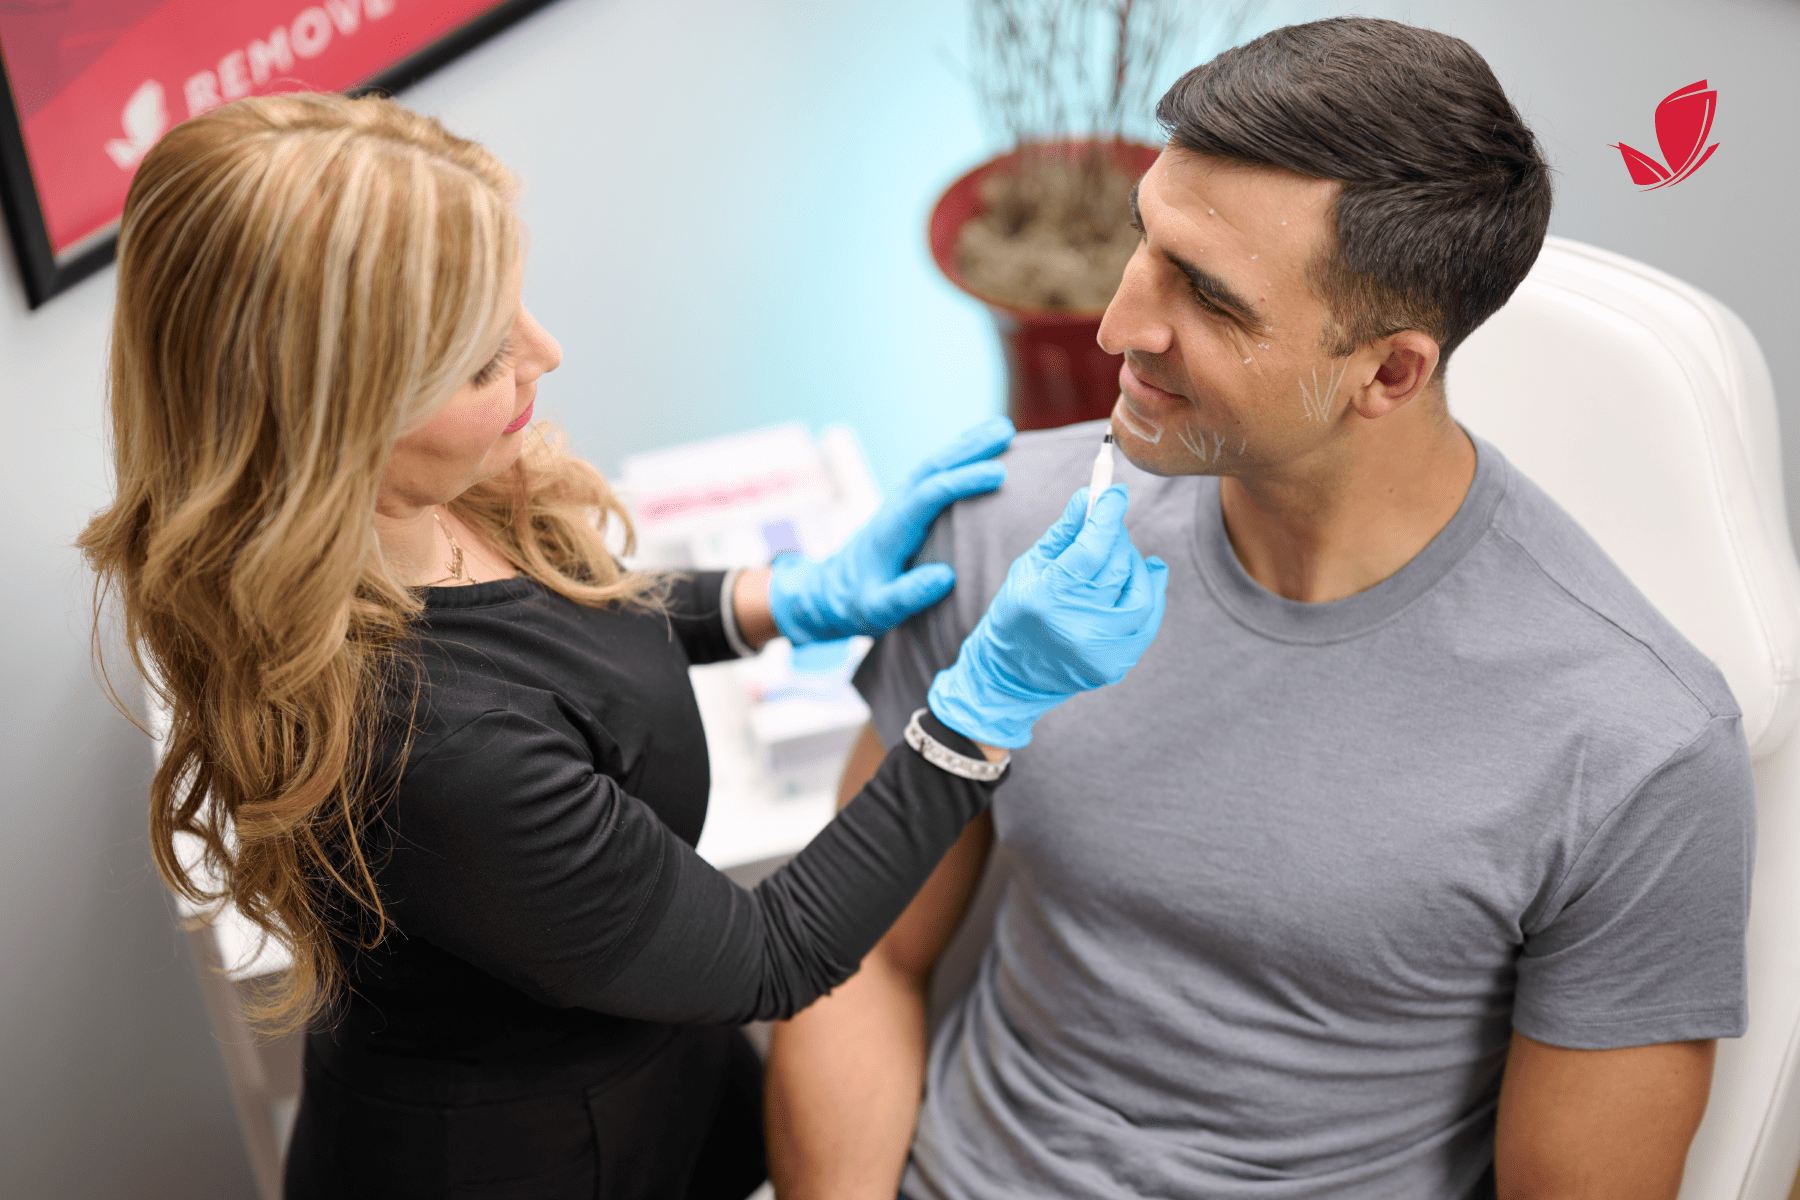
x,y
1056,372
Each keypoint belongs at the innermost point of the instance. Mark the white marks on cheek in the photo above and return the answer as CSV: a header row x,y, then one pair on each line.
x,y
1253,258
1315,401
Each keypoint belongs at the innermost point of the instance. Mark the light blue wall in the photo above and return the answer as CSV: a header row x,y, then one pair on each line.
x,y
726,204
727,200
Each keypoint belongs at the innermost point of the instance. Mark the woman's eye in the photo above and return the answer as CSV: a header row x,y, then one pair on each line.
x,y
495,365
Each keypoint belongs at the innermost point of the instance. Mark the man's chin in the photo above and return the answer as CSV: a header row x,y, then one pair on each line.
x,y
1127,421
1149,464
1152,458
1149,454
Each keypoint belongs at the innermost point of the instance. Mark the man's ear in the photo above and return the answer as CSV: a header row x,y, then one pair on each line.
x,y
1404,365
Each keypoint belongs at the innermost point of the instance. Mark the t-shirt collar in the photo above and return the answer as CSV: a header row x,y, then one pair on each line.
x,y
1273,616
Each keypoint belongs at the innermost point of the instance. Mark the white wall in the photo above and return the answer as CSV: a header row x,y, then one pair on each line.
x,y
110,1083
726,200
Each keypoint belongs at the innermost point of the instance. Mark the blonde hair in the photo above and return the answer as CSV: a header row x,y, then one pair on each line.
x,y
300,278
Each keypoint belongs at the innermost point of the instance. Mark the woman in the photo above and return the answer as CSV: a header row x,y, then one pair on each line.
x,y
434,738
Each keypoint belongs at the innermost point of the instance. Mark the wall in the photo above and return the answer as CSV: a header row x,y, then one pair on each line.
x,y
726,200
110,1083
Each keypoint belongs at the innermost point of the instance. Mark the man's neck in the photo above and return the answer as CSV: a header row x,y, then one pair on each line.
x,y
1344,520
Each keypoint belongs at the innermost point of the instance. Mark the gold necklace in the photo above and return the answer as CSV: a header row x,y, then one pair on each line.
x,y
455,565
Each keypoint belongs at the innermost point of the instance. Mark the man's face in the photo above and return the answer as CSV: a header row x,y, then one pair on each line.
x,y
1225,364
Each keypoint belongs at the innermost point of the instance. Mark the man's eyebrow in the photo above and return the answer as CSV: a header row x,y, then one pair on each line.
x,y
1210,286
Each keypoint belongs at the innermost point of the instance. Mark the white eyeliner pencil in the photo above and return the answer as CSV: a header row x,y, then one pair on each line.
x,y
1103,469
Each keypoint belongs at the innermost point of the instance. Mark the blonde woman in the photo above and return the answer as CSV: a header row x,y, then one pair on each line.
x,y
434,739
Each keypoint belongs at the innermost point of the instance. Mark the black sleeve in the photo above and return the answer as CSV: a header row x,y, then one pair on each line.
x,y
697,617
515,855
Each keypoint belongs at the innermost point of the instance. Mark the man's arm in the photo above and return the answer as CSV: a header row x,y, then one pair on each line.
x,y
845,1075
1598,1124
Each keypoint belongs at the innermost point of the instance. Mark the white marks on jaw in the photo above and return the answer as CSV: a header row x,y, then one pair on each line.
x,y
1315,401
1207,448
1186,437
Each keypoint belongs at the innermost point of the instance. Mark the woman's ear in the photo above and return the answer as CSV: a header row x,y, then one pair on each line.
x,y
1404,366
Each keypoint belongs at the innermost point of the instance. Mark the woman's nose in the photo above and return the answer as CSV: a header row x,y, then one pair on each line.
x,y
541,350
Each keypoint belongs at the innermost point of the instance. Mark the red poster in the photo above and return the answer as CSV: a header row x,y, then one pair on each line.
x,y
95,83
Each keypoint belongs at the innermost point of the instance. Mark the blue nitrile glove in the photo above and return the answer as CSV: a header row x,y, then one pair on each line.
x,y
862,588
1075,613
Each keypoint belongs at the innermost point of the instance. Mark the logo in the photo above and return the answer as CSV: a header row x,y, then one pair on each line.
x,y
1683,120
145,118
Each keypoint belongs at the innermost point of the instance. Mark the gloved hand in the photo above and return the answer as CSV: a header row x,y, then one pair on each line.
x,y
1075,613
861,588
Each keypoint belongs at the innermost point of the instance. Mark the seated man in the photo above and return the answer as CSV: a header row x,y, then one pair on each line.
x,y
1412,861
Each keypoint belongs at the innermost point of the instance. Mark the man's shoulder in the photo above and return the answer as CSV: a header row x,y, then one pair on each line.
x,y
1551,549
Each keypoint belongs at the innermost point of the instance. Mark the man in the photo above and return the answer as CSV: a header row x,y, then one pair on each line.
x,y
1412,861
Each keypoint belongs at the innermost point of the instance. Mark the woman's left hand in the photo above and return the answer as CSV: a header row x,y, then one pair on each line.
x,y
865,587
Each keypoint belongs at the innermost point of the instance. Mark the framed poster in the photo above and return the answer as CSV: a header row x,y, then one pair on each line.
x,y
90,85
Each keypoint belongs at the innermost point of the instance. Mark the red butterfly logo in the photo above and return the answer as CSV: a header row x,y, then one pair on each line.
x,y
1683,120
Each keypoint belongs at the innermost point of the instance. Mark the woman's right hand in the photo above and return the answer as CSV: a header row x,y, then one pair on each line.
x,y
1075,613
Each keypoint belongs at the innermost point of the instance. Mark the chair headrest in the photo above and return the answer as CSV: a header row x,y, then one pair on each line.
x,y
1644,407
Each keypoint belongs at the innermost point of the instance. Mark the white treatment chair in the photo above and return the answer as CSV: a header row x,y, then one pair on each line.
x,y
1645,408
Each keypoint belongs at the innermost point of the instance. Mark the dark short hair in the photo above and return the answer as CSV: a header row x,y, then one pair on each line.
x,y
1445,196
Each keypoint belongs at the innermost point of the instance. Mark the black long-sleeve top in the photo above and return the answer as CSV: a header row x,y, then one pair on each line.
x,y
550,917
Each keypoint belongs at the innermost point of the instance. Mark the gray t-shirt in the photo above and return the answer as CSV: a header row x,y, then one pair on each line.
x,y
1278,899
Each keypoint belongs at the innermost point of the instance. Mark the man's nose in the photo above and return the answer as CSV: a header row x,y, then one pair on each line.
x,y
1134,320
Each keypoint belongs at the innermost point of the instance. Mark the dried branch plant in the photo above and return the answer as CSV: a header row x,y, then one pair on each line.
x,y
1061,82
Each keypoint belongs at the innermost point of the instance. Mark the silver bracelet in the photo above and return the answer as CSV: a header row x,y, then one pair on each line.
x,y
946,759
728,612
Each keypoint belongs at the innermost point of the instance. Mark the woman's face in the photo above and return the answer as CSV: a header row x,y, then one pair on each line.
x,y
480,432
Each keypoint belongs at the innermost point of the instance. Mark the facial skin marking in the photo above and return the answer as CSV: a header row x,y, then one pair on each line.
x,y
1316,402
1141,428
1185,437
1194,441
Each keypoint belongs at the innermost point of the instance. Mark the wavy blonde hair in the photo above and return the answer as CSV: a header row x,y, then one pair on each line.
x,y
301,278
